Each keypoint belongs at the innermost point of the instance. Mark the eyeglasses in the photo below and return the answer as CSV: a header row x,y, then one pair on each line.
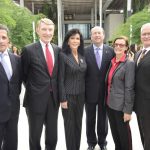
x,y
145,34
120,45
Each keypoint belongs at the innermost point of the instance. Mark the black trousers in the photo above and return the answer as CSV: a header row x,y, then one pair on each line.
x,y
73,121
120,130
9,133
36,121
144,127
93,110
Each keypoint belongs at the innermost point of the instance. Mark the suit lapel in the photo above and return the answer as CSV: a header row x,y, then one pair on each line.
x,y
144,59
55,57
41,55
92,55
12,60
3,71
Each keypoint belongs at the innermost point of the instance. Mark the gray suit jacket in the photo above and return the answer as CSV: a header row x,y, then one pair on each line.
x,y
121,96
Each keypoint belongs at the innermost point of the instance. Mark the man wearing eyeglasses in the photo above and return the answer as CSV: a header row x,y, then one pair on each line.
x,y
142,88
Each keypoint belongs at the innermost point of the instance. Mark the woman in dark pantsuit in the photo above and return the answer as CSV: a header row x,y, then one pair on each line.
x,y
72,68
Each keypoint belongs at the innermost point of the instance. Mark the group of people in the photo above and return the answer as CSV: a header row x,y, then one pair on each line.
x,y
102,77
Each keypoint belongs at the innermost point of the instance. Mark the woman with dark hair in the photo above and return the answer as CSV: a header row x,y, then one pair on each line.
x,y
120,94
72,68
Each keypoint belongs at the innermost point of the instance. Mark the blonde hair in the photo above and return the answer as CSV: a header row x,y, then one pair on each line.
x,y
46,21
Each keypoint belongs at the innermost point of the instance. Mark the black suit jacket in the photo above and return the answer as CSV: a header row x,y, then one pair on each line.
x,y
36,77
10,90
71,75
95,77
142,86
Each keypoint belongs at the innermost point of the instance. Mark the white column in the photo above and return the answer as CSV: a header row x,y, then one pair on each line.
x,y
22,3
33,7
100,13
95,8
92,17
59,10
129,8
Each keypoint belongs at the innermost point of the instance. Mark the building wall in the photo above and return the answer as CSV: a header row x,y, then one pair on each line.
x,y
111,23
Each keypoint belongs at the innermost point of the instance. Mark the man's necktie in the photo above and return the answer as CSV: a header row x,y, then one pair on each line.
x,y
142,56
5,66
98,57
49,60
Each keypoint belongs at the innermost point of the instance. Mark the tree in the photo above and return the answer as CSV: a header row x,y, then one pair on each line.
x,y
19,21
136,20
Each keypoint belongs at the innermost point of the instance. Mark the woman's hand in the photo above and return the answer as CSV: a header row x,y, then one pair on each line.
x,y
64,105
127,117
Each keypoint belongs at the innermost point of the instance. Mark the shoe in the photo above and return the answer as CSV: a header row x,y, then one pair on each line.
x,y
104,148
91,147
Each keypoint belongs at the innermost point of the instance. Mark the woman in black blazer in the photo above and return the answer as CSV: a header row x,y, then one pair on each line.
x,y
72,68
120,94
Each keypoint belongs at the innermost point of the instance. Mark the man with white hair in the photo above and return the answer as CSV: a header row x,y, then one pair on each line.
x,y
142,87
40,69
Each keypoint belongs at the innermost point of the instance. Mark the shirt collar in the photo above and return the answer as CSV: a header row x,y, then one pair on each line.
x,y
95,47
122,59
147,49
43,44
4,53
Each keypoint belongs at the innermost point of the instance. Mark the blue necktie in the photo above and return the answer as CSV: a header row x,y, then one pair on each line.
x,y
98,57
5,66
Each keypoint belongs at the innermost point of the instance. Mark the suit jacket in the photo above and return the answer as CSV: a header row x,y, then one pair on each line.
x,y
36,77
95,77
71,75
10,90
142,86
121,96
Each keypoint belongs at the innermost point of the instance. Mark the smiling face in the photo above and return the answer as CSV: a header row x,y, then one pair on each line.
x,y
4,40
145,35
97,35
74,41
45,30
120,47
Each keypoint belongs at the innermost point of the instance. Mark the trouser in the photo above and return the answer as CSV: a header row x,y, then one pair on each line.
x,y
121,132
73,121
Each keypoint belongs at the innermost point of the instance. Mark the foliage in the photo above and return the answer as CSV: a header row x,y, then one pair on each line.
x,y
19,21
136,20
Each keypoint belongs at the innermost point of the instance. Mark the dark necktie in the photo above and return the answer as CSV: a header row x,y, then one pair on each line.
x,y
49,60
142,55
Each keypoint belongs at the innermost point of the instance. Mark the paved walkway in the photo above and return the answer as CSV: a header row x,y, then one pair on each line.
x,y
23,133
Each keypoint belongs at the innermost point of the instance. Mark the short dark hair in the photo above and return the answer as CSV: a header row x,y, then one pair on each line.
x,y
4,27
66,48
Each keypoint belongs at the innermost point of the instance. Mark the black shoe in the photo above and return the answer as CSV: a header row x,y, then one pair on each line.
x,y
104,148
91,147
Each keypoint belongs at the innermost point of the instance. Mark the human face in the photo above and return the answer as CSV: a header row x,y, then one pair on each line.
x,y
97,36
145,36
120,47
74,42
4,40
45,32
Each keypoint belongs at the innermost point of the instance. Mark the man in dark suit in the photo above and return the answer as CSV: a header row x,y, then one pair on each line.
x,y
98,57
40,68
10,87
142,86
